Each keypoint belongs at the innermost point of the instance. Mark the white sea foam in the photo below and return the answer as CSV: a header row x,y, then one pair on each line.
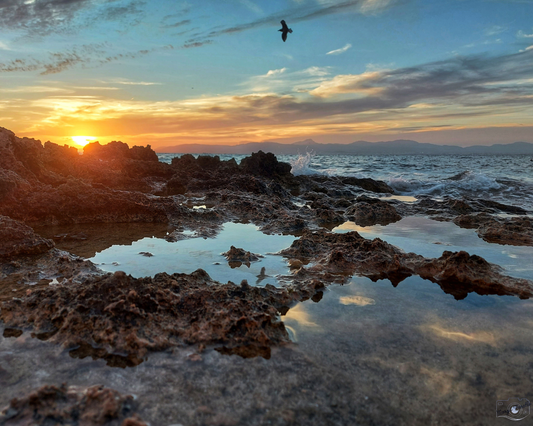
x,y
301,165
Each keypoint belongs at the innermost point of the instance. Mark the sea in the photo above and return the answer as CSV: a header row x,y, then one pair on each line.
x,y
504,178
361,353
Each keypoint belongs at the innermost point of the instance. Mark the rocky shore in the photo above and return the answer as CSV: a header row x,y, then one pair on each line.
x,y
65,299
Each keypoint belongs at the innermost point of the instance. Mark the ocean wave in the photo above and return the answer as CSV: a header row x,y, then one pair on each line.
x,y
302,165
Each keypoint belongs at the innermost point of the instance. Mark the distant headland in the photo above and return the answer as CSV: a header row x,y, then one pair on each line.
x,y
396,147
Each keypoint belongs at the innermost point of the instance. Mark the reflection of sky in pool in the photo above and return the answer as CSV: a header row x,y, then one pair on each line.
x,y
430,238
185,256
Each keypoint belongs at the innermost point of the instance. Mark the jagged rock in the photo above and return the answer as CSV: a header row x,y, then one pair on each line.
x,y
73,405
371,211
266,165
118,314
517,231
369,184
19,239
350,253
237,256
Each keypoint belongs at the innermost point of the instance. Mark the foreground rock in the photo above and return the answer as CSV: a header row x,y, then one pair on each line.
x,y
27,258
52,405
118,314
516,231
345,254
18,239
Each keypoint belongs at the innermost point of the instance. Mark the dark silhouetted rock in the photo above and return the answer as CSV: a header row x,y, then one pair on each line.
x,y
369,184
18,239
266,165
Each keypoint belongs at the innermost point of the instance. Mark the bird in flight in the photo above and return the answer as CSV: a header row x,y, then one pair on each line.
x,y
284,30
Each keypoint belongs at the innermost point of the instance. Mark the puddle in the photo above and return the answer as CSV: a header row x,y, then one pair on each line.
x,y
430,238
87,239
148,256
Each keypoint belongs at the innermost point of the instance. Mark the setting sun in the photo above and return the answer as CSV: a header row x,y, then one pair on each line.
x,y
83,140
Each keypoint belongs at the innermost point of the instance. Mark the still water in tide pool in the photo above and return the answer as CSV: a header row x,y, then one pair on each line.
x,y
148,256
363,353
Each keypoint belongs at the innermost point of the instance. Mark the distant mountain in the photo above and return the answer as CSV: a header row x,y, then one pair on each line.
x,y
397,147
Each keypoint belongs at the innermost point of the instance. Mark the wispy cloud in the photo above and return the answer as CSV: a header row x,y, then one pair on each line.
x,y
494,30
252,6
37,18
4,46
339,51
177,24
137,83
92,54
523,34
303,12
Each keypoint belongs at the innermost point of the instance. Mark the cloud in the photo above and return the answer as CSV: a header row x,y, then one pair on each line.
x,y
137,83
339,51
4,46
35,89
460,92
494,30
275,72
252,6
92,54
522,34
177,24
191,43
304,12
37,18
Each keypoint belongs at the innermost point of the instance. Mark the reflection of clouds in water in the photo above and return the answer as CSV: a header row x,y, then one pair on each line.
x,y
300,317
460,336
511,255
351,226
357,300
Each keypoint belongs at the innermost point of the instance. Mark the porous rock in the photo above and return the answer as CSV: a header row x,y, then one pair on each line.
x,y
349,253
516,231
371,211
53,405
17,239
119,314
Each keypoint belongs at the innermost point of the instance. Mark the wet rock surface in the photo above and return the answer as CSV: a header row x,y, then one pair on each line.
x,y
517,231
371,211
118,314
238,256
18,239
62,405
345,254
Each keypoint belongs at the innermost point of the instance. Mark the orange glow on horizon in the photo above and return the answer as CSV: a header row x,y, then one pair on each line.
x,y
83,140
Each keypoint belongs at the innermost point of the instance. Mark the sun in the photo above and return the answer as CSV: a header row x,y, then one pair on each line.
x,y
82,140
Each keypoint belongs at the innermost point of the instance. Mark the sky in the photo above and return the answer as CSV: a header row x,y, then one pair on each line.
x,y
456,72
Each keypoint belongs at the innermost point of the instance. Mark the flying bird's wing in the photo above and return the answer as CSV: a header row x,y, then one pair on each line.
x,y
284,35
284,26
